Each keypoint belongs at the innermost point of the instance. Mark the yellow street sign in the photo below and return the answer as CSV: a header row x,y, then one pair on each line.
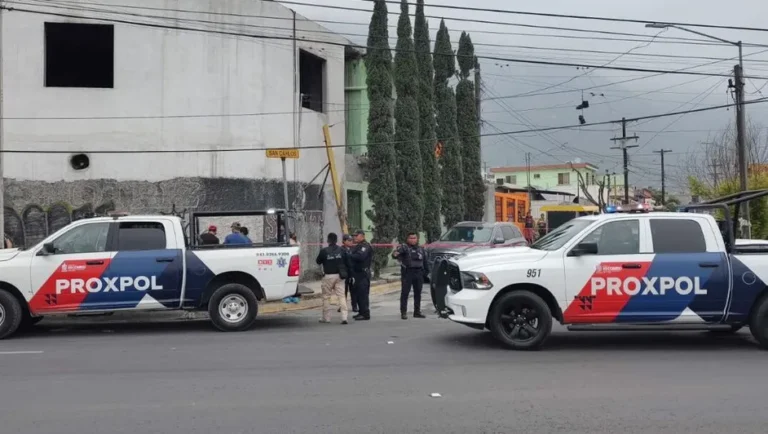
x,y
283,153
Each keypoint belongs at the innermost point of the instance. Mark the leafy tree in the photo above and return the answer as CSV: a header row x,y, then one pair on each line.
x,y
430,172
447,131
382,189
758,209
469,134
410,188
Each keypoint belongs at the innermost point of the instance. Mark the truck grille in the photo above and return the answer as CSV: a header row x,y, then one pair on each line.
x,y
454,277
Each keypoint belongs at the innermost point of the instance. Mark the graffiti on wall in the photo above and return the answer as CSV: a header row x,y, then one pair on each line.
x,y
36,209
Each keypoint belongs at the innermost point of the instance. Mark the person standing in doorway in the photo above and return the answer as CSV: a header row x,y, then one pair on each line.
x,y
362,256
413,265
529,232
335,272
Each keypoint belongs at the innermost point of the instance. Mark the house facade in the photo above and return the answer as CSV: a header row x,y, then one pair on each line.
x,y
177,108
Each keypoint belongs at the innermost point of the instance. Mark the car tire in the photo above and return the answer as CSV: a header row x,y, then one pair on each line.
x,y
512,316
233,307
438,286
10,314
758,323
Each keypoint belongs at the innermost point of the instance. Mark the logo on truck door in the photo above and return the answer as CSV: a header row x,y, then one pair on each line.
x,y
107,284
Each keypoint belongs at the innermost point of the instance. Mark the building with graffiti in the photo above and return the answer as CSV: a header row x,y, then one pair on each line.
x,y
139,108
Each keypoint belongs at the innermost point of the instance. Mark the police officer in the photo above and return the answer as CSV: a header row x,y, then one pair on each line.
x,y
413,266
348,290
361,257
335,273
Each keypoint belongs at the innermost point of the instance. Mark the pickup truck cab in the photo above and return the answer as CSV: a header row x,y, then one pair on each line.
x,y
614,271
107,264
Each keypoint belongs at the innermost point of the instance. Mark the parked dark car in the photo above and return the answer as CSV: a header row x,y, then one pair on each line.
x,y
471,236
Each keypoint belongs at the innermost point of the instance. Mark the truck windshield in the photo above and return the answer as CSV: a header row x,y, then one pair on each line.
x,y
558,237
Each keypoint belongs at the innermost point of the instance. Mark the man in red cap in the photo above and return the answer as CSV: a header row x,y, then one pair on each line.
x,y
210,237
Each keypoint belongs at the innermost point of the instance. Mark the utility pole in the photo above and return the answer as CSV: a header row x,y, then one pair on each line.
x,y
2,134
714,167
663,179
528,174
478,96
623,140
741,141
608,177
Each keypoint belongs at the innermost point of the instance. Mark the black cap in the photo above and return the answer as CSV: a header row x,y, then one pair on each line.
x,y
346,237
359,232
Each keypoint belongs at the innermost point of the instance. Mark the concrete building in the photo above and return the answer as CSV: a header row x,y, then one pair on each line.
x,y
200,93
559,177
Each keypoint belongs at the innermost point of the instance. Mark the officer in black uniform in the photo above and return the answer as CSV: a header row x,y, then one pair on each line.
x,y
413,266
349,292
362,256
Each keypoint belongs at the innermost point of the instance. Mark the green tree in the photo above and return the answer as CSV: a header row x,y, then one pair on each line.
x,y
430,172
758,209
447,131
382,189
469,134
410,188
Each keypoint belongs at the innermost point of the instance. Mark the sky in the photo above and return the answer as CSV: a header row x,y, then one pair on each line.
x,y
642,94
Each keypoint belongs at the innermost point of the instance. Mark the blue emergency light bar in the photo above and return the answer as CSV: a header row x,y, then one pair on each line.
x,y
640,207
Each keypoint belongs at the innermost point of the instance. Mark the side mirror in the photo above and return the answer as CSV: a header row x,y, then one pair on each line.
x,y
584,249
498,241
47,249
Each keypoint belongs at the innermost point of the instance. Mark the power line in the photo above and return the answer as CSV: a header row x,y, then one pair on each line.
x,y
669,40
341,44
500,133
583,17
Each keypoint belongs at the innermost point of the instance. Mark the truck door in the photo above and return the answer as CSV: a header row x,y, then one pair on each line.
x,y
691,272
604,271
61,281
146,270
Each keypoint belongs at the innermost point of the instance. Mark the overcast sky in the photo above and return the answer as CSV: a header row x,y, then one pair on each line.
x,y
643,96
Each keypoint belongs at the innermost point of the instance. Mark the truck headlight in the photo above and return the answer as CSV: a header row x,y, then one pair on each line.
x,y
473,280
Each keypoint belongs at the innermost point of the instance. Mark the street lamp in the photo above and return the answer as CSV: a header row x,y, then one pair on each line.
x,y
740,109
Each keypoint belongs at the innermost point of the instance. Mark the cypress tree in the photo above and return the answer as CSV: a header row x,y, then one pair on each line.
x,y
410,188
381,154
466,112
450,158
427,139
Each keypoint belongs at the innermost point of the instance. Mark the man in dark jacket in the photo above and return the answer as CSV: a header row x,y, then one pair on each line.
x,y
335,272
362,256
209,237
413,266
348,289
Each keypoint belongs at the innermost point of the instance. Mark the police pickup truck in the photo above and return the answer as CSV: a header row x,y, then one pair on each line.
x,y
106,264
620,271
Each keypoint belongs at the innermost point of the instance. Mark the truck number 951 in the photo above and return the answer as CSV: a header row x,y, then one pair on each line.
x,y
534,272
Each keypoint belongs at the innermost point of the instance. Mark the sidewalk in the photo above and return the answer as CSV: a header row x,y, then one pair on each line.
x,y
389,282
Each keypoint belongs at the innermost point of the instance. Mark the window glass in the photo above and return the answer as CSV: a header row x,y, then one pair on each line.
x,y
677,236
469,234
616,238
87,238
134,236
508,233
560,236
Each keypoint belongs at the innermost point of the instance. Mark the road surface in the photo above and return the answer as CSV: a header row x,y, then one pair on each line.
x,y
293,375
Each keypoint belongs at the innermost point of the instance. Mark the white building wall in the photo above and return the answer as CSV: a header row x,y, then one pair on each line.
x,y
164,73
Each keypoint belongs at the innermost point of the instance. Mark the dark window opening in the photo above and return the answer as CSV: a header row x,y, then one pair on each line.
x,y
677,236
80,162
311,80
79,55
134,236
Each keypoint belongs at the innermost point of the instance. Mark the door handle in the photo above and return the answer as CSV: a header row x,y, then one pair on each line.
x,y
630,266
708,264
164,259
94,263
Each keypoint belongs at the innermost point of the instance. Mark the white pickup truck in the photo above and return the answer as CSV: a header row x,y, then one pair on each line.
x,y
108,264
635,271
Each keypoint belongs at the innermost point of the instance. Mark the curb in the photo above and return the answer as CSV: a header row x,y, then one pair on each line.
x,y
310,301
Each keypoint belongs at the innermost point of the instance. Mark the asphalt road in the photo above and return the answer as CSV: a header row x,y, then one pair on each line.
x,y
293,375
